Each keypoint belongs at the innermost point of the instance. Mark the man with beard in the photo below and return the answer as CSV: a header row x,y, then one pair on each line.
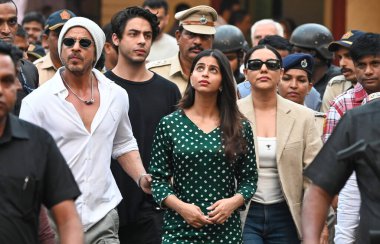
x,y
90,123
195,33
151,97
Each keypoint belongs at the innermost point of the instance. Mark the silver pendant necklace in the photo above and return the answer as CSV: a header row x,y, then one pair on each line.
x,y
87,102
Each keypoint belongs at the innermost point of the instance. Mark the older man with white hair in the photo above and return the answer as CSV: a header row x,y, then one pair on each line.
x,y
263,28
87,115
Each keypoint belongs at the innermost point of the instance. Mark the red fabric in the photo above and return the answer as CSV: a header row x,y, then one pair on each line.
x,y
341,104
45,232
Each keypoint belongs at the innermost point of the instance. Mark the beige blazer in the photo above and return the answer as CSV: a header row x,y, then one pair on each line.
x,y
298,143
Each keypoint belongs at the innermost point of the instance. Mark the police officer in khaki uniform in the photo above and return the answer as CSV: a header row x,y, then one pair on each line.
x,y
195,33
48,65
347,80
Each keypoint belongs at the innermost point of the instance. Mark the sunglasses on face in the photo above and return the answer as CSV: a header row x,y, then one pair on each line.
x,y
256,64
69,42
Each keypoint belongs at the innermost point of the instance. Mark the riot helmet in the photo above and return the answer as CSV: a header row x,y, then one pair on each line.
x,y
313,36
228,38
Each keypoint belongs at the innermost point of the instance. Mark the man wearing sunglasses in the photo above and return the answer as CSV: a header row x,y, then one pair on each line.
x,y
195,33
87,115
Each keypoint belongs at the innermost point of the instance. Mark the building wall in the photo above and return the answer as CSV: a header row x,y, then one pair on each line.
x,y
363,15
304,11
110,7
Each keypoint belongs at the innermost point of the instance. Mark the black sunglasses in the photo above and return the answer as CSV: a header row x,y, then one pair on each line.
x,y
84,43
256,64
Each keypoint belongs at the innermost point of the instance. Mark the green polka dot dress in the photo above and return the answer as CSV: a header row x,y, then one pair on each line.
x,y
201,175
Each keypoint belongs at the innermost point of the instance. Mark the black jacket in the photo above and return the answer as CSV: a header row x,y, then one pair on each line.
x,y
28,77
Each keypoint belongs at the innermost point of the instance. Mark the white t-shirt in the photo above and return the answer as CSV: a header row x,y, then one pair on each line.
x,y
268,185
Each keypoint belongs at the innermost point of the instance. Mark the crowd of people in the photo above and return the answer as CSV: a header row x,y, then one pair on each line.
x,y
226,131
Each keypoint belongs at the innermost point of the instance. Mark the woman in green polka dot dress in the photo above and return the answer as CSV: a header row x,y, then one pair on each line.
x,y
203,161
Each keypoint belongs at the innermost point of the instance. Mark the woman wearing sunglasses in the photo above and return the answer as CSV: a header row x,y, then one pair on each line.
x,y
286,141
206,148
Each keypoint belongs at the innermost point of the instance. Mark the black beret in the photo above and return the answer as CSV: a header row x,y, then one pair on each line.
x,y
301,61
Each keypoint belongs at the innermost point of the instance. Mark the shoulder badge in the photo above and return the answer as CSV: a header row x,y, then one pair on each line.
x,y
319,115
337,80
157,63
38,61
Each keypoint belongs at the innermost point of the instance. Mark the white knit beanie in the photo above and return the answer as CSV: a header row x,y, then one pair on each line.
x,y
95,31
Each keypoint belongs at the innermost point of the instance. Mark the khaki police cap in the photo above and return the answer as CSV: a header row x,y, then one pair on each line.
x,y
200,19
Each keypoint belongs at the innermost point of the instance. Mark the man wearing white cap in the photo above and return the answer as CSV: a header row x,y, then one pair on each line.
x,y
195,33
87,115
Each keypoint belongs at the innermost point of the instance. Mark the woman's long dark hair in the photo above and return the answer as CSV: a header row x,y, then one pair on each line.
x,y
230,116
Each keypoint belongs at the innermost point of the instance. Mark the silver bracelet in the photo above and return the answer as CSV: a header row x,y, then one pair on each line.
x,y
140,177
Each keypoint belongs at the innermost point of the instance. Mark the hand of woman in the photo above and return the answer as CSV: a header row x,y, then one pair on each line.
x,y
221,210
193,215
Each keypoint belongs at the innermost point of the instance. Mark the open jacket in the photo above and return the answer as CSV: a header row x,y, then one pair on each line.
x,y
298,143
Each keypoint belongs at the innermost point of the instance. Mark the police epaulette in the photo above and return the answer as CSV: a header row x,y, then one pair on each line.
x,y
157,63
319,115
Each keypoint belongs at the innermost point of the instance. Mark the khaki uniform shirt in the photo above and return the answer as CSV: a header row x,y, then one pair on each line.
x,y
46,69
334,88
320,122
170,69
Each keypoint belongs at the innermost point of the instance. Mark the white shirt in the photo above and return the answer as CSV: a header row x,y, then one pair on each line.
x,y
163,48
348,212
88,154
269,189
